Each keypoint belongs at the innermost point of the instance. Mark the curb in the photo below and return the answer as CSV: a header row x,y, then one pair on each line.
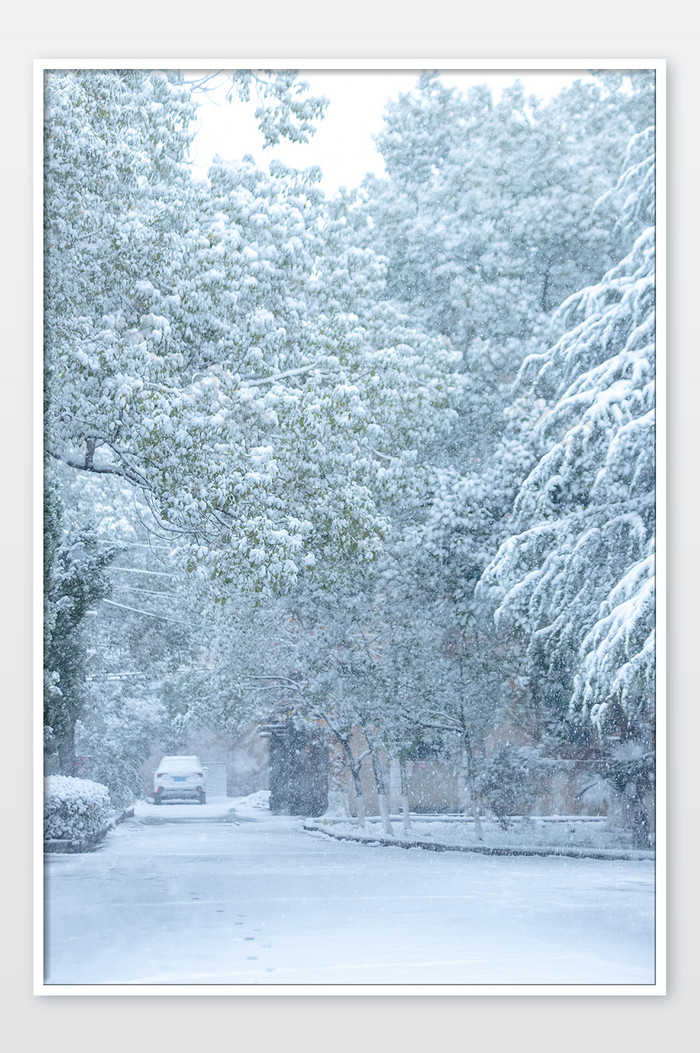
x,y
128,813
487,850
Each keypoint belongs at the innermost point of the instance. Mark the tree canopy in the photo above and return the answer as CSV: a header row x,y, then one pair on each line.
x,y
386,459
203,342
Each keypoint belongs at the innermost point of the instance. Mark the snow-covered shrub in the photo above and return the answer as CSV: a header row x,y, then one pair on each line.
x,y
74,809
510,781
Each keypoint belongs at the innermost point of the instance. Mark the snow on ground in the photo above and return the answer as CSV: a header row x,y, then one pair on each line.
x,y
227,894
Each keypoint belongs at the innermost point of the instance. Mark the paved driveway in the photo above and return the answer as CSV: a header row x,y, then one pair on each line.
x,y
200,895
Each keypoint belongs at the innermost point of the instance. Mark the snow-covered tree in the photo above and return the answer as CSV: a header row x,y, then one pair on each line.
x,y
487,216
510,781
77,581
201,345
487,209
114,736
576,577
147,624
285,108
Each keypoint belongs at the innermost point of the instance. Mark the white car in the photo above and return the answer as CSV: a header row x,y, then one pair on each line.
x,y
179,778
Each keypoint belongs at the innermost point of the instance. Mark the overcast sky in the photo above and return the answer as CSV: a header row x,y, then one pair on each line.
x,y
343,146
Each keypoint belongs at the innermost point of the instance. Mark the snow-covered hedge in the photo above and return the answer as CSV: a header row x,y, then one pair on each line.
x,y
74,809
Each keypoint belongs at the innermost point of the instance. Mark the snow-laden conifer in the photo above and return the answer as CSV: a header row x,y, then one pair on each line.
x,y
577,574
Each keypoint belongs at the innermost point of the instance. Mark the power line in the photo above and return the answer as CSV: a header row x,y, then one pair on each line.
x,y
132,570
149,614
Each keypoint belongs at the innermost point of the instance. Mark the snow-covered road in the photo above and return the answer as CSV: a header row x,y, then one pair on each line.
x,y
189,894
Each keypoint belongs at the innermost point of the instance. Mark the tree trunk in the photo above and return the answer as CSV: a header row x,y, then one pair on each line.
x,y
381,791
338,804
405,810
544,302
66,753
359,796
469,778
354,766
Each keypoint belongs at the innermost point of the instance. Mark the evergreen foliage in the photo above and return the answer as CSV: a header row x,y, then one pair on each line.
x,y
577,574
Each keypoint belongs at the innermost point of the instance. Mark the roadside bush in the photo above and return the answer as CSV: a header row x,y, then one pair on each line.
x,y
511,781
74,809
